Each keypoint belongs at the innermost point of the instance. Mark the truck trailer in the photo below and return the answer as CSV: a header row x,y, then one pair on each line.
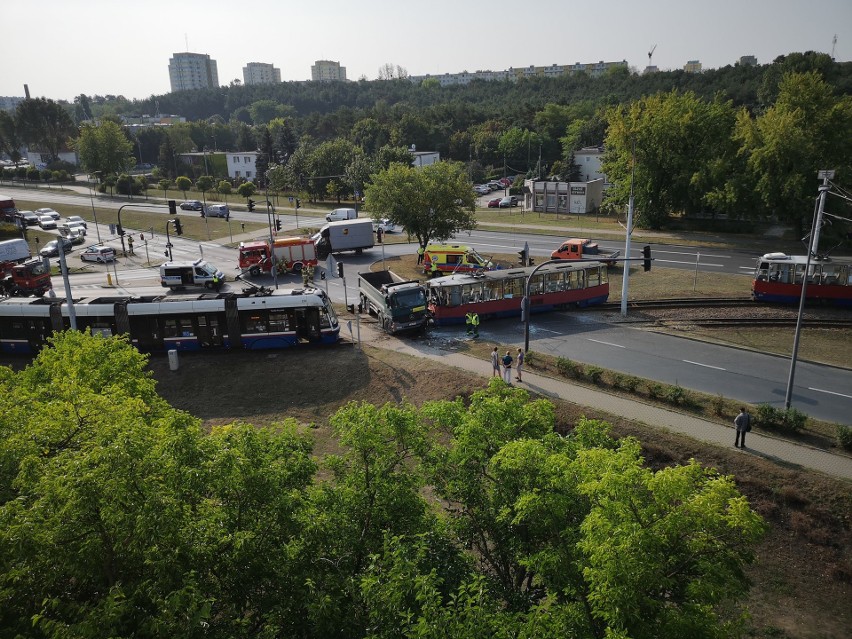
x,y
346,235
399,305
21,274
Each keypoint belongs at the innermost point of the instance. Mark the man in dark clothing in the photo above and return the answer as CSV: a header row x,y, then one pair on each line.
x,y
742,423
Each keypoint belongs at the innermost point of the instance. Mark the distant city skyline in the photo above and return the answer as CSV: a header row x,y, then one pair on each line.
x,y
100,47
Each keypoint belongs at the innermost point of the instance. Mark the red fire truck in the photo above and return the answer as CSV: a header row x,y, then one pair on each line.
x,y
291,254
21,274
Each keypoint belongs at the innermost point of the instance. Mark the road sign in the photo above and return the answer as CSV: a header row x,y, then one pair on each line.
x,y
291,199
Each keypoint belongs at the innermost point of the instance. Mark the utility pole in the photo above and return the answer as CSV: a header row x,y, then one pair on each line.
x,y
626,268
813,251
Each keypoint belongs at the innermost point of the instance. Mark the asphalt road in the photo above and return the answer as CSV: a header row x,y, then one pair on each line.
x,y
822,392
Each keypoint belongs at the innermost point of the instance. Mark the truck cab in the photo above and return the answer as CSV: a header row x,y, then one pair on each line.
x,y
178,275
578,248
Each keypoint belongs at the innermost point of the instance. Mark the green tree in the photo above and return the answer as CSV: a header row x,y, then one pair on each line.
x,y
183,183
165,185
806,130
328,163
432,202
224,188
104,148
11,141
44,124
246,189
677,138
204,183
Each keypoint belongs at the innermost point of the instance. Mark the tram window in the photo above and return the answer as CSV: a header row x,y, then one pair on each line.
x,y
555,282
800,272
494,290
254,324
513,287
537,284
325,321
278,322
593,277
170,328
470,293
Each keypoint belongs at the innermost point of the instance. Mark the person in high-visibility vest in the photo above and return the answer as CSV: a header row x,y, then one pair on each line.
x,y
475,322
420,252
434,270
468,319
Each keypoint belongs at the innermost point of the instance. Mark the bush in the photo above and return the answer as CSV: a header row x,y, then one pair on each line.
x,y
844,436
656,391
717,405
594,373
787,420
678,396
566,367
529,358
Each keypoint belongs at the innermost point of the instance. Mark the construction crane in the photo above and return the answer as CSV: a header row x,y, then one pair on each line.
x,y
650,53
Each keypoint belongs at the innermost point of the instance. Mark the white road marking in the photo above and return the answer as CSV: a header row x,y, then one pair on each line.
x,y
718,257
657,259
820,390
605,343
718,368
548,330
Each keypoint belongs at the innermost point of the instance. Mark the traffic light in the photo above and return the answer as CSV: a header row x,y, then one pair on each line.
x,y
340,269
250,206
522,254
119,230
278,224
298,203
646,253
178,226
172,207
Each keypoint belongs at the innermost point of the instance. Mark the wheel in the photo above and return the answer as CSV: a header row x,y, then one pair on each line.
x,y
208,286
254,271
297,267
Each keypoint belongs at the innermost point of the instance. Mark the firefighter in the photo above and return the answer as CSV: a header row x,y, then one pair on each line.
x,y
468,320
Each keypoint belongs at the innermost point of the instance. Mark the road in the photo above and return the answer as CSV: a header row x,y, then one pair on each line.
x,y
822,392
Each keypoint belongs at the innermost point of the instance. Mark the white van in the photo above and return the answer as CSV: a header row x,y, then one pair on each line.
x,y
177,275
341,214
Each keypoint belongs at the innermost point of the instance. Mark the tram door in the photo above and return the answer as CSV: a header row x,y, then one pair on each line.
x,y
308,324
209,330
147,332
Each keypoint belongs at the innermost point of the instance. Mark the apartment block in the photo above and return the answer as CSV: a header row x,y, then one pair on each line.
x,y
261,73
189,71
327,71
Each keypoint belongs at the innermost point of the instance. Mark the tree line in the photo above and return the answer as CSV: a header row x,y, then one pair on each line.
x,y
745,142
122,517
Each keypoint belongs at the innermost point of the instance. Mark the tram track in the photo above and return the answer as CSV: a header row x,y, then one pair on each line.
x,y
684,302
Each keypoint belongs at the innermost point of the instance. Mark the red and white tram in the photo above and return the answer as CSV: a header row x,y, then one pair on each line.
x,y
778,278
500,293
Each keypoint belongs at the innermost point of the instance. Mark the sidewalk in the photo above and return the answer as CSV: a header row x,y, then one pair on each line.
x,y
781,451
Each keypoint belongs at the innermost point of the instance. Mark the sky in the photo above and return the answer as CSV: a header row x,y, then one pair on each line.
x,y
63,48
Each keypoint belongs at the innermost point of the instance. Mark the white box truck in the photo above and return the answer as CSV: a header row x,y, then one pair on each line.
x,y
346,235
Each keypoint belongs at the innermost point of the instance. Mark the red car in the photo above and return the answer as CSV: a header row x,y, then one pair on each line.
x,y
494,204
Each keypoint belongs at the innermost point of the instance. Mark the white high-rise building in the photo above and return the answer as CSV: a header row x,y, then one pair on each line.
x,y
327,70
192,71
260,73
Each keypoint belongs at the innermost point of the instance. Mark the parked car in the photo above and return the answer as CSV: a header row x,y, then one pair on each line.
x,y
508,201
51,249
29,218
48,211
385,224
98,253
46,222
66,228
493,204
482,189
495,186
506,182
191,205
76,236
77,219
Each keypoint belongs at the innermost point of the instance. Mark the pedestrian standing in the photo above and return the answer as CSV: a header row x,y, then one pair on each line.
x,y
520,364
474,320
742,423
507,367
130,244
379,235
495,363
420,252
468,320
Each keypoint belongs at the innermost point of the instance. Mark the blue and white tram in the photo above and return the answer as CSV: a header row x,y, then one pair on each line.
x,y
189,322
